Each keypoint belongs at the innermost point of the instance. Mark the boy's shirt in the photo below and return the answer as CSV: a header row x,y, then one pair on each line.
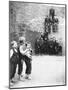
x,y
12,51
14,56
26,51
22,49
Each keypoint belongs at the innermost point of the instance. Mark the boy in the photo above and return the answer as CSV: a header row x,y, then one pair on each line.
x,y
20,64
26,51
14,59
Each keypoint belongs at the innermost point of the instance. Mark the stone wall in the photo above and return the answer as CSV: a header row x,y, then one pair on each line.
x,y
33,16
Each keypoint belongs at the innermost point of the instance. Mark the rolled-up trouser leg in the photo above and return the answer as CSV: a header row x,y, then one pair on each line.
x,y
20,67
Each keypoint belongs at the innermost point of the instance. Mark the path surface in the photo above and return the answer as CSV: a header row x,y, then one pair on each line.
x,y
46,71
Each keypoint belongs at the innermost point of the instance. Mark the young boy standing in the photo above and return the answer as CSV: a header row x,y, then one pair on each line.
x,y
14,59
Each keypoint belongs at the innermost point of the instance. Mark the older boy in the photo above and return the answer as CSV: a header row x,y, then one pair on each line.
x,y
26,52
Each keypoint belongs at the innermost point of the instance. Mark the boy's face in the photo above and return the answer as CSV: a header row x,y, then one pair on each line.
x,y
21,42
15,45
29,45
24,46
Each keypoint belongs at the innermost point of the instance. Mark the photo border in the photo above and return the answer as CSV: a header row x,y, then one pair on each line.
x,y
65,46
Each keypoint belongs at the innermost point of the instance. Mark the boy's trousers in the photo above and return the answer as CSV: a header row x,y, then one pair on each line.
x,y
14,60
27,61
12,69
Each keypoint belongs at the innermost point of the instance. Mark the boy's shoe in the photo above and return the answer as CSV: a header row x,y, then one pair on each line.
x,y
28,77
12,82
20,77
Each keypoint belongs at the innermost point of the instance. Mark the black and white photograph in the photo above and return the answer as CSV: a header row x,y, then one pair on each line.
x,y
37,44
